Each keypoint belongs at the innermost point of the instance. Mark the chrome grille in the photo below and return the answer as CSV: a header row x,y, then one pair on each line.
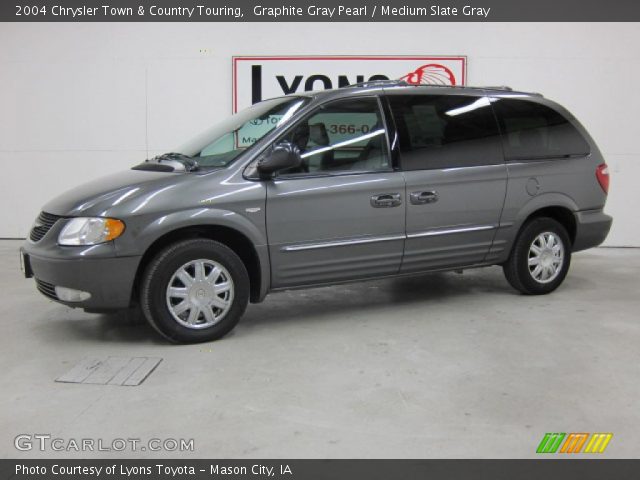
x,y
47,289
43,224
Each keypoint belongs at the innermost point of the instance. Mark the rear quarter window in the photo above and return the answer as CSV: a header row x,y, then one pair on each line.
x,y
534,131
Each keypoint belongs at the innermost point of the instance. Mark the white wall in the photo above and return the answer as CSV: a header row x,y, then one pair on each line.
x,y
80,100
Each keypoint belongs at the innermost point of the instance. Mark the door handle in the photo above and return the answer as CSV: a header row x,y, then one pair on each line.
x,y
386,200
421,198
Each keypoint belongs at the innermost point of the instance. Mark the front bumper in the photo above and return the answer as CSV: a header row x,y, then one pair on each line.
x,y
96,270
592,228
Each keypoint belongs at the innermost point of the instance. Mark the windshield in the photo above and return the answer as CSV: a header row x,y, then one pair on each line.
x,y
220,145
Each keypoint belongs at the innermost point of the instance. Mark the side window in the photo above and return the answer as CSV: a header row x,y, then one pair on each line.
x,y
343,136
532,130
445,131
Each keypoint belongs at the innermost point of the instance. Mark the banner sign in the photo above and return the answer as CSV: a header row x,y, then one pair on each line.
x,y
259,78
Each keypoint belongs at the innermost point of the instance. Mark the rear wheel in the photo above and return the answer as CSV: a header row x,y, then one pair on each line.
x,y
540,258
195,291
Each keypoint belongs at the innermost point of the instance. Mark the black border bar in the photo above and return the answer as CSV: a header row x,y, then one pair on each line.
x,y
543,469
300,11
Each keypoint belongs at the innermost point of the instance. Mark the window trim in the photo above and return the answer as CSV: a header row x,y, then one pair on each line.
x,y
392,127
544,158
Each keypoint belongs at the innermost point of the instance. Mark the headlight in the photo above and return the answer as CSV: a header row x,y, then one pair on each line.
x,y
90,231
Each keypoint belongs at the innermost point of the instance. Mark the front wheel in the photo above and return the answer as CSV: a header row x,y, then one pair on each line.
x,y
540,258
195,291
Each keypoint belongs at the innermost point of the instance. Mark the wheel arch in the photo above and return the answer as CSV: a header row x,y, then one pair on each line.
x,y
237,241
558,206
561,214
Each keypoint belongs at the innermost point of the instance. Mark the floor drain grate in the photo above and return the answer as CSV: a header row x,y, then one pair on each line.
x,y
127,371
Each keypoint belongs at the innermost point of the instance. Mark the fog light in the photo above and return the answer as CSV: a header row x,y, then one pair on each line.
x,y
70,295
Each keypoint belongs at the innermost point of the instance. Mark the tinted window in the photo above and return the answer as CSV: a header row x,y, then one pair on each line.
x,y
445,131
342,136
534,131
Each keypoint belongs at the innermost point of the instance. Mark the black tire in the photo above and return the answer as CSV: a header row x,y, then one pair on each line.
x,y
160,271
517,269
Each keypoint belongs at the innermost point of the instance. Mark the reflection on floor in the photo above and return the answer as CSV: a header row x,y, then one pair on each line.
x,y
442,365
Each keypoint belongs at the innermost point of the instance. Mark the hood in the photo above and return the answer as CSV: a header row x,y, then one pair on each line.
x,y
96,198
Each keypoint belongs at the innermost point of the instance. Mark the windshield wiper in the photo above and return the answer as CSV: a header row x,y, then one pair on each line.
x,y
190,164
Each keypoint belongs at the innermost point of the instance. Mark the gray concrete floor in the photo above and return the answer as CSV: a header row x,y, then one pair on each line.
x,y
441,365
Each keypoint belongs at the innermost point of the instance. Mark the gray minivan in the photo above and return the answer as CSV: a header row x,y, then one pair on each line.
x,y
374,180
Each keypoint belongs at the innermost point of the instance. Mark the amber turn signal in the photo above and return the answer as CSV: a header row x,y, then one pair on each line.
x,y
113,228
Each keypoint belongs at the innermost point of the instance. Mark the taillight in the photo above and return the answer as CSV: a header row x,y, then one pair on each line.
x,y
602,174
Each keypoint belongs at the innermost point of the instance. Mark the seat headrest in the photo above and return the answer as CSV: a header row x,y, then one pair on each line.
x,y
318,134
301,136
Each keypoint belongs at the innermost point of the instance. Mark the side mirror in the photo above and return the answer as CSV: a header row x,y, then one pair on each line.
x,y
282,156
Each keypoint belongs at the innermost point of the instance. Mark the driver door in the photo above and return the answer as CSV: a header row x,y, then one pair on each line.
x,y
341,215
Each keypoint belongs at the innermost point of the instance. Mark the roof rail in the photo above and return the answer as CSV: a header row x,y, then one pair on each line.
x,y
400,83
375,83
498,87
404,83
493,87
434,85
509,89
